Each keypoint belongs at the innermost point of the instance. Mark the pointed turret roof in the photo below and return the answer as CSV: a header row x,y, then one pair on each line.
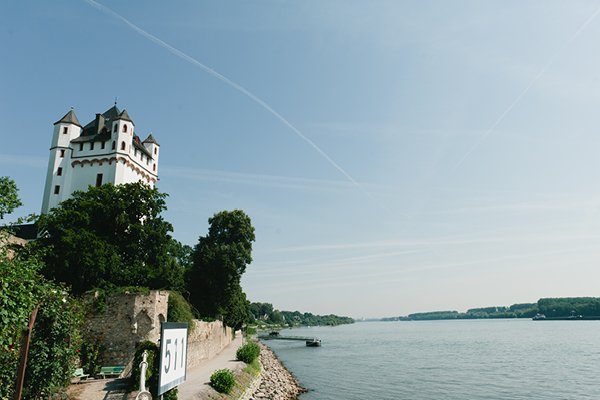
x,y
125,116
112,112
150,139
69,118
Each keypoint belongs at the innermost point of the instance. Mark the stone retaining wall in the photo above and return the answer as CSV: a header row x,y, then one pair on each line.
x,y
206,340
125,320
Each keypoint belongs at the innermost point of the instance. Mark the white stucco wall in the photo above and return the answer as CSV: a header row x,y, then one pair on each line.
x,y
81,164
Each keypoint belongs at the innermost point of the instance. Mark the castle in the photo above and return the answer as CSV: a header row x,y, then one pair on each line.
x,y
106,150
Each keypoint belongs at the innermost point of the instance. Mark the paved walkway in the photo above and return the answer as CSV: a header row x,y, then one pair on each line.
x,y
197,378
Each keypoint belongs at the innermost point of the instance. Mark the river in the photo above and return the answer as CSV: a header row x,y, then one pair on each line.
x,y
450,360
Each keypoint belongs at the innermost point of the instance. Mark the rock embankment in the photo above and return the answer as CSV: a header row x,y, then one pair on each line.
x,y
277,382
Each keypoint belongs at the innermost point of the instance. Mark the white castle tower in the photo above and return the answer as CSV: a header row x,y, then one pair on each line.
x,y
106,150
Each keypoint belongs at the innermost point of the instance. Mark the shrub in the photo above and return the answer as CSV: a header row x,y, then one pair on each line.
x,y
179,310
91,354
248,352
222,380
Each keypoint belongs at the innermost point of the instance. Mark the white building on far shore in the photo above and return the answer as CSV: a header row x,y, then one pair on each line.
x,y
106,150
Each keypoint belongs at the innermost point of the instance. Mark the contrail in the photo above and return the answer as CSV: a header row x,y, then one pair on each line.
x,y
237,87
524,92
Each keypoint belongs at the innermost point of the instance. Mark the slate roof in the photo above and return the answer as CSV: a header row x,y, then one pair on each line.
x,y
124,116
99,128
69,118
150,139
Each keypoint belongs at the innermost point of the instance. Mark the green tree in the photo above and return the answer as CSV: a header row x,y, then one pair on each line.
x,y
110,236
9,196
219,260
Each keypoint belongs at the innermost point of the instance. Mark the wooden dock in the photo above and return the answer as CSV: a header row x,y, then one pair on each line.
x,y
310,341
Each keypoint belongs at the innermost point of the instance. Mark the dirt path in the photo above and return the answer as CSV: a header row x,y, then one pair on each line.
x,y
99,389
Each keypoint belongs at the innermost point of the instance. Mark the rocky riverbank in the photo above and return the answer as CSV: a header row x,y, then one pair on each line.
x,y
277,383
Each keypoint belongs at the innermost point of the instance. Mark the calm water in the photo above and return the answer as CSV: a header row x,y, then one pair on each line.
x,y
462,360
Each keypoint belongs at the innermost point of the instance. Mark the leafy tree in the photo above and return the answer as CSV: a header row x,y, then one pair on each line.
x,y
110,236
219,260
9,196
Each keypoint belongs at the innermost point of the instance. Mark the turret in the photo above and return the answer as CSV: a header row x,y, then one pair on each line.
x,y
153,148
65,129
122,131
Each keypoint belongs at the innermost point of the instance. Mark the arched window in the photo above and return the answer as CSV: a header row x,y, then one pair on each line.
x,y
114,145
122,145
115,128
154,167
124,127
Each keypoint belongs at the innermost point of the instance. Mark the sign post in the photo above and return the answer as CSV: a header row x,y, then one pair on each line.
x,y
173,355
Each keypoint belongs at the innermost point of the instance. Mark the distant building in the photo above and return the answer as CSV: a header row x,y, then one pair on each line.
x,y
106,150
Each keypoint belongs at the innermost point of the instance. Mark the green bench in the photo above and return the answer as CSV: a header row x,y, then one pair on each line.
x,y
111,371
80,375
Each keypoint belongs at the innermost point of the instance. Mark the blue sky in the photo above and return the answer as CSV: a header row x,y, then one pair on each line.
x,y
401,95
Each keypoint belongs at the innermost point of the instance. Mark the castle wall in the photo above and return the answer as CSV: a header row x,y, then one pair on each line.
x,y
127,319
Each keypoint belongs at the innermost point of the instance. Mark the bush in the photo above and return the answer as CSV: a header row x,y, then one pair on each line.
x,y
180,310
91,354
248,352
222,380
151,372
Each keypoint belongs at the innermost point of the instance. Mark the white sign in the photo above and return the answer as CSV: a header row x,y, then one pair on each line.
x,y
173,355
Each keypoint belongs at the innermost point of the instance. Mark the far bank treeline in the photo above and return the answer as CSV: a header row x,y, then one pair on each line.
x,y
264,313
550,307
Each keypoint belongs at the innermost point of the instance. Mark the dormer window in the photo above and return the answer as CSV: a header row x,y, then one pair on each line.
x,y
65,129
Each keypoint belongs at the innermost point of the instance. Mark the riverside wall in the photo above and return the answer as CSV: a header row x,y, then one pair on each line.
x,y
206,340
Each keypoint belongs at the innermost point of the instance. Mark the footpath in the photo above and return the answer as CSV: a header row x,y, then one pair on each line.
x,y
197,379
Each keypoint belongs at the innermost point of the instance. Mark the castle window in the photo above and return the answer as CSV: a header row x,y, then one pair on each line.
x,y
62,153
99,180
102,145
122,145
92,146
114,145
65,129
59,171
124,127
56,189
80,146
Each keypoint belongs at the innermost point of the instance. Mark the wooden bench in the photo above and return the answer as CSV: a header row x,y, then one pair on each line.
x,y
79,375
111,371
